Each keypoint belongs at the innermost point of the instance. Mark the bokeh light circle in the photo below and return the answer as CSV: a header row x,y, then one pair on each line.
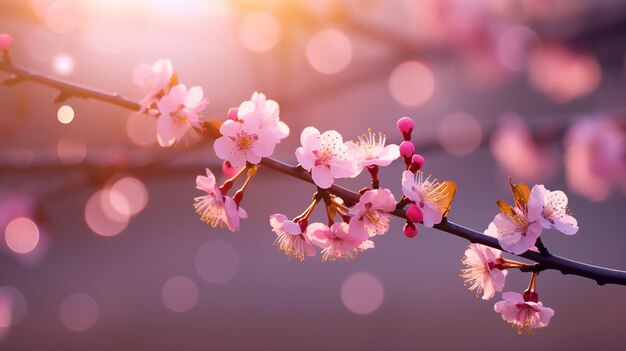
x,y
180,294
16,301
217,262
102,217
21,235
329,51
6,316
62,16
129,196
459,133
362,293
79,312
63,64
259,31
141,130
411,83
65,114
71,152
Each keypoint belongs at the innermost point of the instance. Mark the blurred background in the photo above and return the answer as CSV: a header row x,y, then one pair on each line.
x,y
101,248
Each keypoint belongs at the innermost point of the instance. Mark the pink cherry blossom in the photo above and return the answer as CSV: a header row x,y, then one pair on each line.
x,y
432,197
336,242
370,150
153,81
215,208
370,216
325,155
516,233
267,112
290,238
550,209
244,141
180,111
481,274
528,316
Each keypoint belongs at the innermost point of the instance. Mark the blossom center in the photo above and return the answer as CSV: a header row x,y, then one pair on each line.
x,y
324,157
244,141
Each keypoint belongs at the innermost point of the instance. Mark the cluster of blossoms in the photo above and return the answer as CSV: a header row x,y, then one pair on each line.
x,y
517,229
178,109
252,132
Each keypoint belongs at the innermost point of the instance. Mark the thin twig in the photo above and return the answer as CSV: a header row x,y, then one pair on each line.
x,y
601,275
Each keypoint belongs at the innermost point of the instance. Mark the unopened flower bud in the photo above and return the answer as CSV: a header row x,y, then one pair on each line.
x,y
405,126
410,230
6,42
229,170
417,162
232,113
414,214
407,149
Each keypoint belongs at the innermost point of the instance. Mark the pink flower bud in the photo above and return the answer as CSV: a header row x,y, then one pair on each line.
x,y
229,170
232,113
407,149
410,230
414,214
6,42
405,125
417,162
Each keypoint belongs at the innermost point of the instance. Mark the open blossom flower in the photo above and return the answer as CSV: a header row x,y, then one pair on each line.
x,y
370,216
481,274
267,111
550,209
370,150
245,141
153,81
325,155
528,316
290,238
432,197
336,242
180,110
516,232
214,208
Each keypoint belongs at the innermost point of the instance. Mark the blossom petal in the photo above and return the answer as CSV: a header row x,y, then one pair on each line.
x,y
322,176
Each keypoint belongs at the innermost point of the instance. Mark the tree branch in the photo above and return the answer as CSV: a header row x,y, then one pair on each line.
x,y
546,261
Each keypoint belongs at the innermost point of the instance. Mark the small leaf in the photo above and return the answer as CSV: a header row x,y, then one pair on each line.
x,y
448,188
521,194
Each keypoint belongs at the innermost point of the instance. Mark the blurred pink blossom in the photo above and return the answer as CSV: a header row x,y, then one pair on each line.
x,y
154,80
595,157
517,153
562,74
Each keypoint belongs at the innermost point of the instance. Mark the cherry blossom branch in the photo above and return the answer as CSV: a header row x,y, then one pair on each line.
x,y
566,266
67,90
544,261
